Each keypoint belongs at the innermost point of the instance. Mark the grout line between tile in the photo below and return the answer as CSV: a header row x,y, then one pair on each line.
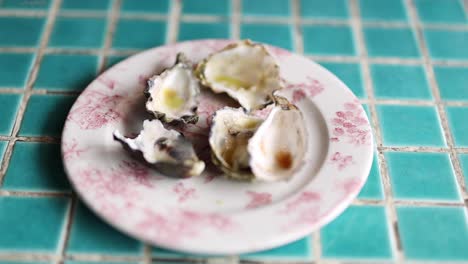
x,y
174,21
235,19
35,193
98,258
140,16
316,246
416,25
146,254
297,31
29,85
357,27
65,235
32,257
112,18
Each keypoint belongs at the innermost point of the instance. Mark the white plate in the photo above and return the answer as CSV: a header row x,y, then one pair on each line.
x,y
209,214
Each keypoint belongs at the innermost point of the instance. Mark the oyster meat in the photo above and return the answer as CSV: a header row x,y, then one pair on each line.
x,y
244,70
247,147
173,94
163,149
230,133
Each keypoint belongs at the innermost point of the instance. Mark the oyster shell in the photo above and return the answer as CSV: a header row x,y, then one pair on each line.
x,y
165,150
172,95
278,147
243,70
230,133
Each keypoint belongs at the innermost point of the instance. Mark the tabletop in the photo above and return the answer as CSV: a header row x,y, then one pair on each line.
x,y
406,60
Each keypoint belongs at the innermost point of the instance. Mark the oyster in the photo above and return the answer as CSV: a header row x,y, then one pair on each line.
x,y
278,148
230,133
165,150
247,147
172,95
245,71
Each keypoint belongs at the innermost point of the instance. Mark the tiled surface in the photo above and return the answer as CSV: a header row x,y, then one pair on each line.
x,y
372,10
400,82
360,232
422,176
43,170
45,115
78,32
329,40
410,126
434,233
387,42
31,224
14,69
415,193
9,104
66,72
19,31
90,235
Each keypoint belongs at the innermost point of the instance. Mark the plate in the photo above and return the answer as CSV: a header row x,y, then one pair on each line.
x,y
210,214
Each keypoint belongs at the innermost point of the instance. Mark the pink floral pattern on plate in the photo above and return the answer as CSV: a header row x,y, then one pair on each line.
x,y
200,214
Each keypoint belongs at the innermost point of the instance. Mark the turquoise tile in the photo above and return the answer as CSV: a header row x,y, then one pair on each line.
x,y
324,9
20,31
444,11
23,262
373,187
422,176
457,118
88,5
453,82
31,223
361,232
464,164
390,42
137,34
45,115
152,6
297,250
14,69
9,105
112,60
43,171
78,33
328,40
23,4
103,262
447,44
433,233
410,126
350,74
277,35
3,145
257,8
206,7
372,10
189,31
91,235
400,82
66,72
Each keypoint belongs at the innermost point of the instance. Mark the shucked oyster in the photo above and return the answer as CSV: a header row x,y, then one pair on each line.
x,y
165,150
230,134
245,71
172,95
278,148
246,147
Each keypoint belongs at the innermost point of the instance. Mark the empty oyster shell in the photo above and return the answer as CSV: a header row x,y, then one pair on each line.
x,y
230,133
165,150
243,70
278,148
172,95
